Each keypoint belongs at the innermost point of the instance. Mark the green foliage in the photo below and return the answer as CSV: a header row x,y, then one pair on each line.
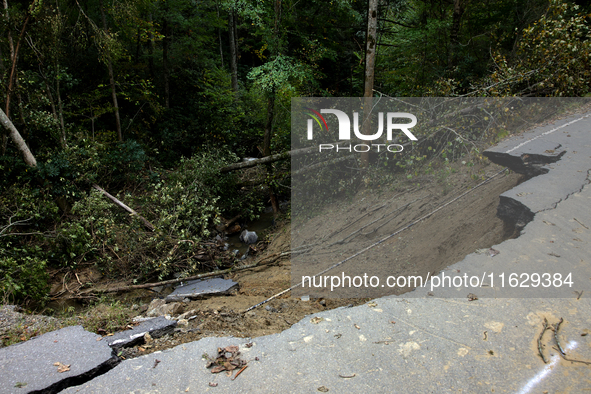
x,y
68,171
108,315
183,206
23,278
282,72
436,50
552,57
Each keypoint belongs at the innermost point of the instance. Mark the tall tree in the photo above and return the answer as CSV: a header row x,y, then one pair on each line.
x,y
109,62
233,51
370,61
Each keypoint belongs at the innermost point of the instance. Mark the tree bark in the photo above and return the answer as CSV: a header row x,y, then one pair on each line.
x,y
256,162
165,48
60,106
151,49
455,31
269,125
13,69
217,9
233,53
370,60
120,204
111,77
18,140
370,47
11,46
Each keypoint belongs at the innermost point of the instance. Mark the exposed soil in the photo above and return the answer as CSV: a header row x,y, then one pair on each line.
x,y
414,247
431,245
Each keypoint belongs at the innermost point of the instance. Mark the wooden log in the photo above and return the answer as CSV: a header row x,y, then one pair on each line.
x,y
272,158
256,162
117,202
223,227
272,259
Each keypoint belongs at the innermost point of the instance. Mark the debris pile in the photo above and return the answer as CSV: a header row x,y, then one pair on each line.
x,y
227,360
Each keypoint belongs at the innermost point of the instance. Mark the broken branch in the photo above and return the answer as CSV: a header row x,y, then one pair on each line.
x,y
117,202
274,257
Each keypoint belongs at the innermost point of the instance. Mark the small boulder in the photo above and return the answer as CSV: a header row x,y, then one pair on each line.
x,y
159,307
249,237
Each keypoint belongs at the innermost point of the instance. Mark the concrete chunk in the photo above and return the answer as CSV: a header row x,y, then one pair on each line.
x,y
200,288
29,366
155,327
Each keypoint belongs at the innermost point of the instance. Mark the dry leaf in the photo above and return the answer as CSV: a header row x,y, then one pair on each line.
x,y
232,348
218,369
62,367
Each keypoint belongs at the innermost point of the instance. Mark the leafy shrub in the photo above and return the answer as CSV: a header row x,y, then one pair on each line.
x,y
552,57
23,279
69,171
182,206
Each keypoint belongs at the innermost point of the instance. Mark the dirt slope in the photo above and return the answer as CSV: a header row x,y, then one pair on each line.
x,y
429,246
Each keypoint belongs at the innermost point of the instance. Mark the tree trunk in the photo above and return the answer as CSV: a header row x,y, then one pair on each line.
x,y
18,140
111,77
370,47
151,49
11,46
370,60
60,109
165,48
455,31
269,125
217,9
233,54
13,69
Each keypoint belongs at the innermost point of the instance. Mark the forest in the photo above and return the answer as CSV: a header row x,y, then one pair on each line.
x,y
149,100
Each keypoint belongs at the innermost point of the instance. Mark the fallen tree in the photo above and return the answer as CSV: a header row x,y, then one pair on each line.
x,y
121,205
274,257
18,140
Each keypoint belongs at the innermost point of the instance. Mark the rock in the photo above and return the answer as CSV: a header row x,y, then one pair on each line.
x,y
249,237
188,315
159,307
183,322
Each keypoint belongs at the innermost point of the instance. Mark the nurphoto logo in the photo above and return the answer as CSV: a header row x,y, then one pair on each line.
x,y
345,130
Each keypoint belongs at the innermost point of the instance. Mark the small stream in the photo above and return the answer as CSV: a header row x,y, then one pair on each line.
x,y
265,221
